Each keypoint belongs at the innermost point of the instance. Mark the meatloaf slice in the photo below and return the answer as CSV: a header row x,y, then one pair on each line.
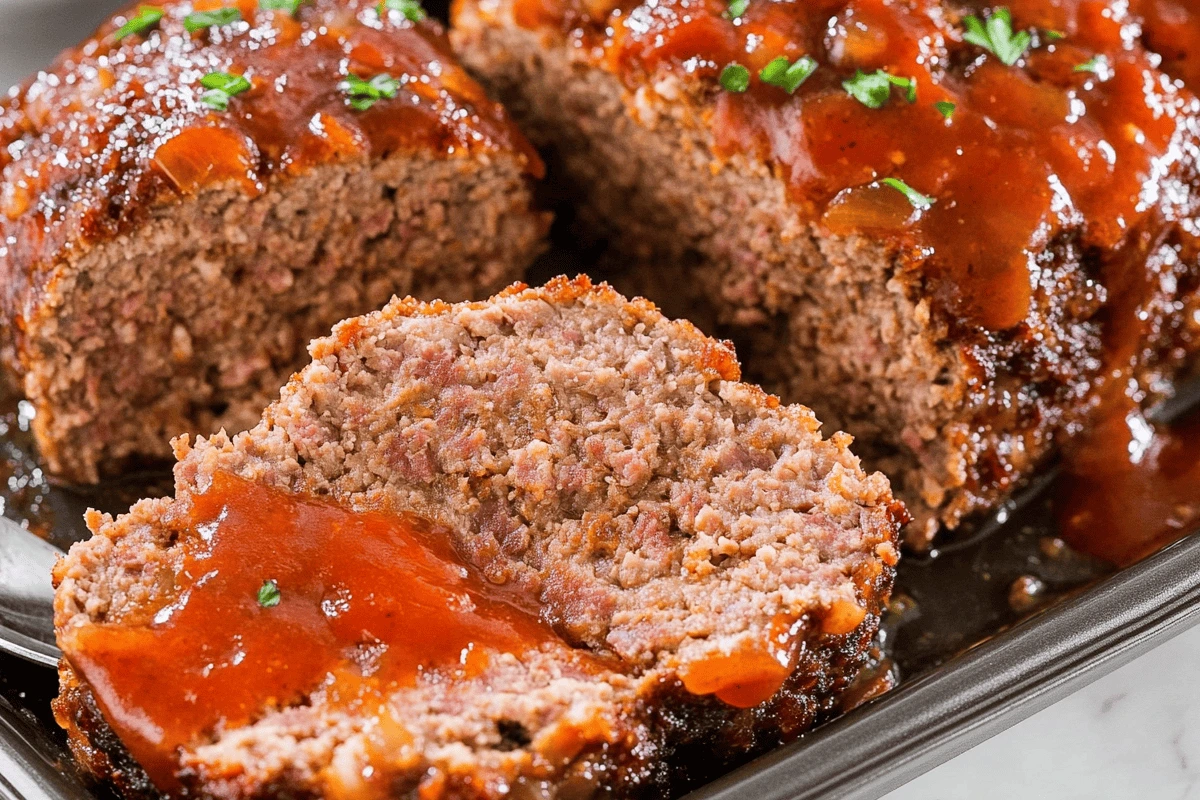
x,y
955,231
707,568
194,193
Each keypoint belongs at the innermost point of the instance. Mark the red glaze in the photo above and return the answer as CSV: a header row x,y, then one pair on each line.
x,y
1030,152
752,674
90,145
369,603
1131,488
1172,29
1061,251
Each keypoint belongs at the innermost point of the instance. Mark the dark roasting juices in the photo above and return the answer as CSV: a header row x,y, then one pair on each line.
x,y
1130,487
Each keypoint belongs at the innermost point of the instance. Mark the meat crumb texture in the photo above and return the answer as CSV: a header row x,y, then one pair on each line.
x,y
184,206
712,569
962,248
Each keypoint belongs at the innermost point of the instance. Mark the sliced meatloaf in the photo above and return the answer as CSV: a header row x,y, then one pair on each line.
x,y
706,569
955,230
194,193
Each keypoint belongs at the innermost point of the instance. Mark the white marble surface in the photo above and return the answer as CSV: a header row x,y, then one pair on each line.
x,y
1133,734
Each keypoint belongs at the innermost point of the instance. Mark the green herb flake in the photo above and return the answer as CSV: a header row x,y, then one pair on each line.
x,y
411,10
1053,36
996,36
874,89
268,594
788,76
201,20
145,19
221,87
907,84
1097,65
290,6
735,78
945,108
737,8
918,200
364,94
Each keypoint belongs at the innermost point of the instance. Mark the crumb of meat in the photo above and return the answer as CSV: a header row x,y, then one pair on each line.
x,y
593,453
191,322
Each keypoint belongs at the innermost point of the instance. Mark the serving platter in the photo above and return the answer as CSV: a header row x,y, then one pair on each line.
x,y
968,656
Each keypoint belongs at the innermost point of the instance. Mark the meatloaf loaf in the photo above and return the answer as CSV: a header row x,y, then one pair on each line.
x,y
194,193
955,230
646,565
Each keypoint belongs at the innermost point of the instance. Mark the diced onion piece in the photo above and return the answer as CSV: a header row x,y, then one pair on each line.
x,y
872,207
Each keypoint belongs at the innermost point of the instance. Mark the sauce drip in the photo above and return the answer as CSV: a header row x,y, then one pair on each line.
x,y
368,603
752,674
1131,487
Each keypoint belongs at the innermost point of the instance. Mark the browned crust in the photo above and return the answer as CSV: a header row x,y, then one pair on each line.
x,y
956,416
675,742
92,741
720,357
106,188
663,739
130,210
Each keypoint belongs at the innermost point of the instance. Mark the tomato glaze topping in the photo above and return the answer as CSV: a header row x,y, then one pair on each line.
x,y
1081,141
273,597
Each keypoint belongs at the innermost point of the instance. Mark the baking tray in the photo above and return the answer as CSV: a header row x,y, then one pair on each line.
x,y
968,664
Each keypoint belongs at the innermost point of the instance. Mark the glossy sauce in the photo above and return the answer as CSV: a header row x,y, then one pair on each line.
x,y
87,147
1061,249
1030,153
751,675
368,603
1131,487
1173,31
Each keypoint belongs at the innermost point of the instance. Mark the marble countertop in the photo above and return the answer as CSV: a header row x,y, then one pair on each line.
x,y
1133,734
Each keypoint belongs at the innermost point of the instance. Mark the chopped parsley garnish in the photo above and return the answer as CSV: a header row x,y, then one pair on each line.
x,y
945,107
788,76
221,87
268,595
996,36
199,20
735,78
874,89
1054,36
736,9
364,94
145,19
1096,64
410,9
918,200
290,6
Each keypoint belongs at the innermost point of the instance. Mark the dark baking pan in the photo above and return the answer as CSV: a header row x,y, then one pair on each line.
x,y
968,663
889,741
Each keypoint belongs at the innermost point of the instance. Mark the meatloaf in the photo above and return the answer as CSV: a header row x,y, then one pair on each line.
x,y
198,190
647,569
958,231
